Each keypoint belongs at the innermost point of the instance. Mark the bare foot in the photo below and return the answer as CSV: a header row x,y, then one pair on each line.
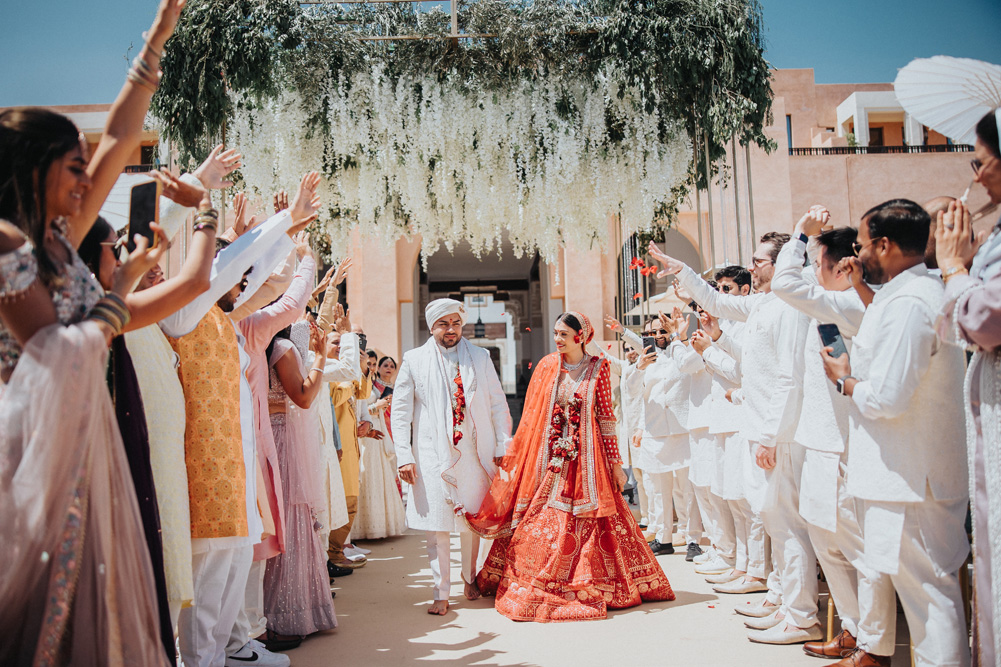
x,y
472,591
438,608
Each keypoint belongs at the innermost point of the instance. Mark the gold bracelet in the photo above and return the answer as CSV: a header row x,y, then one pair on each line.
x,y
952,271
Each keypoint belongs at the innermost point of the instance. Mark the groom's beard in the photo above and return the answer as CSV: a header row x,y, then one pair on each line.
x,y
447,342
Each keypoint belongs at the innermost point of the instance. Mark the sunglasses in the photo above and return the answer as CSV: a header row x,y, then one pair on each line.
x,y
857,247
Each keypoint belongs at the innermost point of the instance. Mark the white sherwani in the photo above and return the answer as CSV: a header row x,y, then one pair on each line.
x,y
907,464
422,432
824,503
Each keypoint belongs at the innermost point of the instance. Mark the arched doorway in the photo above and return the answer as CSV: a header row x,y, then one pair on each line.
x,y
508,305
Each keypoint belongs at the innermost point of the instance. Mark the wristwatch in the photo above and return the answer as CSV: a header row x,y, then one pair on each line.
x,y
841,383
804,238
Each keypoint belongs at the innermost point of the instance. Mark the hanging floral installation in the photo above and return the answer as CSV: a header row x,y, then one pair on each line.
x,y
556,116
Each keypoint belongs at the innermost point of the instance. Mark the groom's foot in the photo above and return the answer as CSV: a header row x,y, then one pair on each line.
x,y
438,608
472,591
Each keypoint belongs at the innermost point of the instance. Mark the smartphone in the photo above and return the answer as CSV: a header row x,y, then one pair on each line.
x,y
144,208
830,336
388,391
651,342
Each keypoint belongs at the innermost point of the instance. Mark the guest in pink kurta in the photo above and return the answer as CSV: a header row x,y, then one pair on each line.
x,y
259,328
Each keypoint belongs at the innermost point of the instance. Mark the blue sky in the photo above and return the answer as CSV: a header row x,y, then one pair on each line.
x,y
73,52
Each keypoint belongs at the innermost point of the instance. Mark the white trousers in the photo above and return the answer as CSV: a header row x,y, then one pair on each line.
x,y
751,538
439,546
717,521
220,583
668,493
251,621
931,598
639,476
842,558
792,551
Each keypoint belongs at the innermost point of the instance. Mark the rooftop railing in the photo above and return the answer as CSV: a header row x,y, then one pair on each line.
x,y
138,168
882,150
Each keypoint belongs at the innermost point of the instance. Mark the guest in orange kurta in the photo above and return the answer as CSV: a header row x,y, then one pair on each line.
x,y
566,546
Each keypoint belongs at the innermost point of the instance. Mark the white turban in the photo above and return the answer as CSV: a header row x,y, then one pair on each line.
x,y
439,308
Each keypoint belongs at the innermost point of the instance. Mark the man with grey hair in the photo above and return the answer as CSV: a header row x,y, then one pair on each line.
x,y
451,428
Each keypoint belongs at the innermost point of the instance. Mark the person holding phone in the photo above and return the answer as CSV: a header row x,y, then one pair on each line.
x,y
825,293
662,438
771,392
906,460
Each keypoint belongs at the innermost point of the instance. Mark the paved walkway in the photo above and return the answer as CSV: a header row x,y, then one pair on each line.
x,y
380,609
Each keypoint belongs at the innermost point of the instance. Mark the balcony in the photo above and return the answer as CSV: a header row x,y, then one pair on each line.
x,y
882,150
138,168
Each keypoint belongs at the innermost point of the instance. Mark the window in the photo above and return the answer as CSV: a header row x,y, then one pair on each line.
x,y
876,136
789,133
148,154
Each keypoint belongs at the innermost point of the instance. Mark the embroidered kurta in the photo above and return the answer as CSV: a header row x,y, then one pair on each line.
x,y
213,447
343,396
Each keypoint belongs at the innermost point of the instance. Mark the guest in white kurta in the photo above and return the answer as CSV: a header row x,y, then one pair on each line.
x,y
450,465
702,472
827,297
664,448
906,458
771,393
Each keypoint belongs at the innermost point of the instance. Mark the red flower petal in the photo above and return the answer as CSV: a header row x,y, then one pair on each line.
x,y
638,295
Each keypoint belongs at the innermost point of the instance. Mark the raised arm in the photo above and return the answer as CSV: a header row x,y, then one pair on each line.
x,y
260,327
301,390
123,128
799,288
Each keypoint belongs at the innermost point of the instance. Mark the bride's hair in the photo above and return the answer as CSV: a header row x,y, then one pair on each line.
x,y
571,321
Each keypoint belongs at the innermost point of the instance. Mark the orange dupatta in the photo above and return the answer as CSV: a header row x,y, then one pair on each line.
x,y
584,486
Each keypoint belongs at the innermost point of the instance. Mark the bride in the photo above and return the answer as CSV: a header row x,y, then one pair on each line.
x,y
566,547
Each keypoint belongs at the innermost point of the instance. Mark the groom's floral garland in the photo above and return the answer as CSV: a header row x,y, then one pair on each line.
x,y
458,410
565,447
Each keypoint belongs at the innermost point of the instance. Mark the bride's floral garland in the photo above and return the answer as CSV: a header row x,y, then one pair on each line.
x,y
431,157
564,434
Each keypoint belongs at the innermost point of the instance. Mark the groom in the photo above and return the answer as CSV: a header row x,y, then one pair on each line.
x,y
451,427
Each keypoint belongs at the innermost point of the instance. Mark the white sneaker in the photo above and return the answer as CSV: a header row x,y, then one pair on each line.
x,y
361,550
783,634
254,653
705,557
769,621
354,554
715,565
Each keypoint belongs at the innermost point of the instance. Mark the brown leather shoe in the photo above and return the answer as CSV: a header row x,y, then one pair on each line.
x,y
859,658
838,647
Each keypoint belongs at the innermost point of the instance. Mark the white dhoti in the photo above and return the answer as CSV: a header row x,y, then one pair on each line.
x,y
439,547
791,549
922,545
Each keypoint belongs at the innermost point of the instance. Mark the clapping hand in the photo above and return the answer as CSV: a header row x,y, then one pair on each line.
x,y
302,248
280,201
342,320
710,325
306,205
217,166
813,221
701,341
614,325
954,242
671,266
176,190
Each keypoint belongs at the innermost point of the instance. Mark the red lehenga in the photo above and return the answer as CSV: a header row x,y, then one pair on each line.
x,y
566,546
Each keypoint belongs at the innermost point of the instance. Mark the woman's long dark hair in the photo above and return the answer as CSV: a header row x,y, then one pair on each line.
x,y
90,247
31,139
285,333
